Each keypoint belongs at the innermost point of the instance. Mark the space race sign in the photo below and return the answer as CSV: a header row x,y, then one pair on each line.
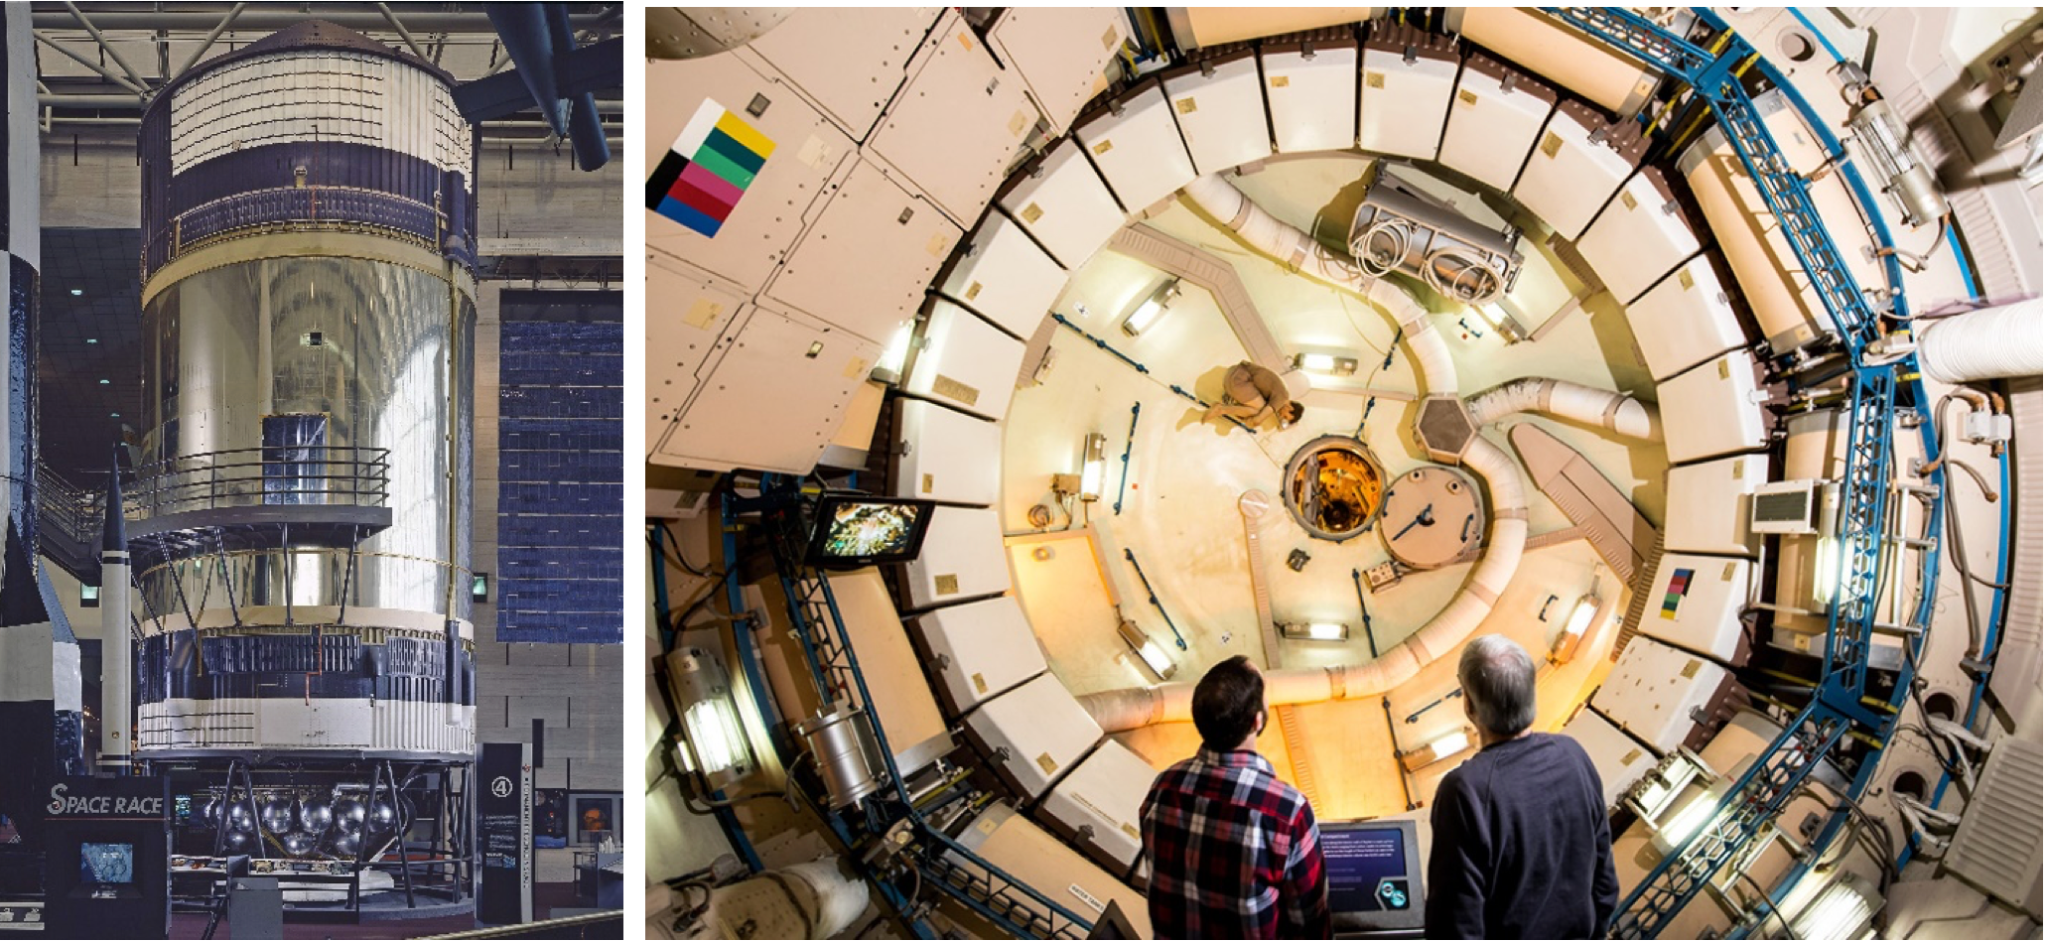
x,y
146,804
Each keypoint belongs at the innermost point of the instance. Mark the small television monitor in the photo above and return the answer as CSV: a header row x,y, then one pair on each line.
x,y
853,530
106,863
1375,875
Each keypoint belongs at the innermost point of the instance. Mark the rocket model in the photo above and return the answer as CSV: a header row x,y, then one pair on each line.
x,y
117,731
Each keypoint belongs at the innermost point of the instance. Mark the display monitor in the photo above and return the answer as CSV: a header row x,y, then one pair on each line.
x,y
106,863
1375,875
853,530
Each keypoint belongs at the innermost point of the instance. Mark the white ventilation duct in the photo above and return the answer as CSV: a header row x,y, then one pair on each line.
x,y
1618,413
2000,342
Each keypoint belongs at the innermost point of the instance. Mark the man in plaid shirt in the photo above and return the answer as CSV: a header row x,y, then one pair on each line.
x,y
1234,851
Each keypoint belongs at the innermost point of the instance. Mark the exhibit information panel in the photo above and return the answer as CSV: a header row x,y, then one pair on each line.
x,y
504,817
109,858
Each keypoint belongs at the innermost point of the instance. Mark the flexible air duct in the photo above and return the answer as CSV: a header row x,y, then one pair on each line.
x,y
1124,709
2000,342
1613,411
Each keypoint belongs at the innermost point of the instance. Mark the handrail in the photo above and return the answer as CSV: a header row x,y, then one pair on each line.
x,y
339,475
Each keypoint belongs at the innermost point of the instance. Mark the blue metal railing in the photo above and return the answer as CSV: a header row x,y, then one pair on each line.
x,y
1759,795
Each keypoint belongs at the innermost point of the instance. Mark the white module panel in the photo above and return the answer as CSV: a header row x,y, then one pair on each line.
x,y
1654,688
1034,733
957,124
865,262
1065,205
773,398
1221,115
963,558
1061,52
1005,277
1684,320
1620,759
1712,500
1100,803
980,650
1570,176
1713,409
964,362
1492,127
1402,105
763,219
688,313
947,456
849,60
1695,602
1638,238
1020,847
1139,151
1313,97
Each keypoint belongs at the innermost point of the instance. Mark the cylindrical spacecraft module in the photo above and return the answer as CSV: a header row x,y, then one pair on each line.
x,y
300,518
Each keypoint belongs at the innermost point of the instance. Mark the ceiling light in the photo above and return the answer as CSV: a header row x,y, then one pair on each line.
x,y
113,414
1153,306
1566,645
1150,651
1094,465
1319,631
106,382
77,292
1328,364
1451,744
91,340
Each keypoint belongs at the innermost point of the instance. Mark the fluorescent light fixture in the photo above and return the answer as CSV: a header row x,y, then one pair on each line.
x,y
1831,904
88,596
1826,568
1149,311
1318,631
479,587
1150,651
1094,465
713,732
890,365
1573,634
1328,364
1686,821
1443,747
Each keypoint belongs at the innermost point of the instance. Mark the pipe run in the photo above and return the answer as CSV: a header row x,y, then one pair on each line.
x,y
1618,413
2001,342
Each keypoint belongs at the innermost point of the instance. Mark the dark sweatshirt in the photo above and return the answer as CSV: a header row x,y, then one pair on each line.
x,y
1521,848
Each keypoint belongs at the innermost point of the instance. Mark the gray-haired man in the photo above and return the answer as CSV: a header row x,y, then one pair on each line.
x,y
1521,843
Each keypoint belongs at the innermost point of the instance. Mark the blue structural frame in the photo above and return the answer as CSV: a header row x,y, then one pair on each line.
x,y
1839,705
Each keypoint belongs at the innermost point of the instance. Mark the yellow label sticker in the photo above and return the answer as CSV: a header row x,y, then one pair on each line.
x,y
936,247
987,825
955,390
1104,147
1727,574
1684,278
1279,81
1375,79
855,368
814,153
1109,38
1132,832
1017,124
1723,369
1631,757
1186,105
927,483
1628,199
1032,213
1467,96
1551,143
946,584
967,41
703,313
973,290
1691,669
980,684
1046,763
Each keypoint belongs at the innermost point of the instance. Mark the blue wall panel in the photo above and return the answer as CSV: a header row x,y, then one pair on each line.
x,y
561,468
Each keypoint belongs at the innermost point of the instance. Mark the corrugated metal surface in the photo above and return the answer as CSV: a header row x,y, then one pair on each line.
x,y
2016,682
1997,847
317,96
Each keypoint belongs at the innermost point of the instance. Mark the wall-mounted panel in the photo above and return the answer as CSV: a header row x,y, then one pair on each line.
x,y
1060,52
952,131
1404,97
1311,90
1494,121
1221,111
979,651
848,60
1709,505
965,363
1713,409
1639,237
1696,602
1685,320
866,261
1004,276
1654,691
963,558
1136,146
1576,168
1033,734
945,455
688,315
1064,204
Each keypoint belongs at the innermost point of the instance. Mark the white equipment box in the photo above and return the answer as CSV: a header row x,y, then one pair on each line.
x,y
850,61
1713,409
1063,204
1311,90
1018,846
1060,51
1620,759
1493,122
1136,145
865,262
946,455
688,313
1409,78
1033,734
1695,603
1004,276
964,362
955,127
1221,111
1576,167
1685,320
1654,689
1709,505
979,651
963,558
1638,237
1099,805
